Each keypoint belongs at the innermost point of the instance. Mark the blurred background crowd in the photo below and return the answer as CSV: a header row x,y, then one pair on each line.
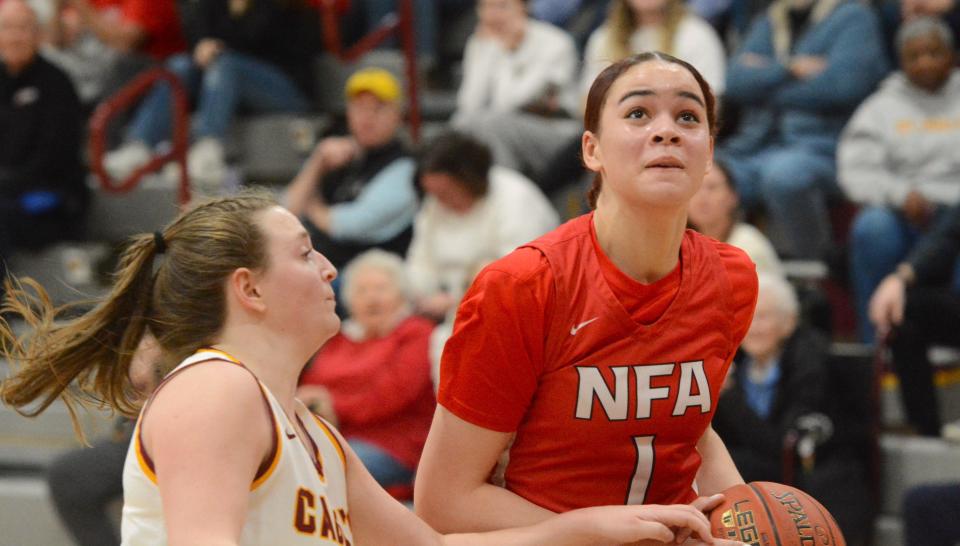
x,y
837,169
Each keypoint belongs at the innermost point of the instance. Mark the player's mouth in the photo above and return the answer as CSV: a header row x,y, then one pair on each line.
x,y
664,162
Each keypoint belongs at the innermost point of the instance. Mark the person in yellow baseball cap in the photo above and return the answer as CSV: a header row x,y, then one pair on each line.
x,y
356,192
377,81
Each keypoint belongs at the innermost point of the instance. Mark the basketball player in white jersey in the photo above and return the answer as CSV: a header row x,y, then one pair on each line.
x,y
223,453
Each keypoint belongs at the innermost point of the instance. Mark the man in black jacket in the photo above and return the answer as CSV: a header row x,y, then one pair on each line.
x,y
41,176
916,306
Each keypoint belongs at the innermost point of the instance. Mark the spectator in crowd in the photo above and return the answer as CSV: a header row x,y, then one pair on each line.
x,y
894,13
83,482
931,515
101,44
779,386
916,307
714,212
149,27
897,157
356,192
42,191
635,26
779,374
803,68
473,213
518,79
236,62
90,63
373,378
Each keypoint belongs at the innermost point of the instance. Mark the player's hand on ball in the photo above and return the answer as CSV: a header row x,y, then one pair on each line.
x,y
643,525
704,505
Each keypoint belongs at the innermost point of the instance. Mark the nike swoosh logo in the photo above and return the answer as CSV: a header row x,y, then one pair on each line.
x,y
575,329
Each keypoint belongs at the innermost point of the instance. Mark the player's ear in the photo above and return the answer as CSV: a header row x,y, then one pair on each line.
x,y
243,287
590,151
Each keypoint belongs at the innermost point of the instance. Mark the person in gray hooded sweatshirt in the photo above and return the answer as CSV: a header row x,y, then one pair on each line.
x,y
897,157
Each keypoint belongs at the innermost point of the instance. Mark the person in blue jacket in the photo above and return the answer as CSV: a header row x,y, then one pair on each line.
x,y
804,67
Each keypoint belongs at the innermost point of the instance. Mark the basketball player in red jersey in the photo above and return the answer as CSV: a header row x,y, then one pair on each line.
x,y
596,353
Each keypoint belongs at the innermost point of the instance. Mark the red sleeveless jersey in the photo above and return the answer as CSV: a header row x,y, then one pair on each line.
x,y
606,410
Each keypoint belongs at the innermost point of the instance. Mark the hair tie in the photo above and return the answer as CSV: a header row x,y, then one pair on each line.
x,y
159,242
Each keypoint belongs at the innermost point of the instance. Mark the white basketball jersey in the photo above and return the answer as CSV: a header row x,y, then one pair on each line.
x,y
292,500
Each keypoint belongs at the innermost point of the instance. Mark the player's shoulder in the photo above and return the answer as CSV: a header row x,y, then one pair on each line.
x,y
734,259
523,265
189,387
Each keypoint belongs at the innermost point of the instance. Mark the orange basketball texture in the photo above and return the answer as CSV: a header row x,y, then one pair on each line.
x,y
773,514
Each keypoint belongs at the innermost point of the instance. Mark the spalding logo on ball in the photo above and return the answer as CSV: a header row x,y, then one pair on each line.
x,y
773,514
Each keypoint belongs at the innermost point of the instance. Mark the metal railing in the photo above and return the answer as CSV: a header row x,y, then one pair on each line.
x,y
122,101
399,24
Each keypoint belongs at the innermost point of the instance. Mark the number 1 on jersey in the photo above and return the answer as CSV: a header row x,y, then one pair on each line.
x,y
643,471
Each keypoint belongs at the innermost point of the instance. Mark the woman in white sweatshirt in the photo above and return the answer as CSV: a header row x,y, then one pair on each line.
x,y
519,76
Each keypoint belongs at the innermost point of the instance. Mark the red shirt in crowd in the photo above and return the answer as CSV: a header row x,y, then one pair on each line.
x,y
381,388
159,20
608,383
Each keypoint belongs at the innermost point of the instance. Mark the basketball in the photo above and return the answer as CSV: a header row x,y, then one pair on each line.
x,y
773,514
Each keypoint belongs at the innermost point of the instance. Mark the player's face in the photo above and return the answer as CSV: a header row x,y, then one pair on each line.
x,y
653,145
769,329
375,300
448,191
714,203
296,281
373,122
927,61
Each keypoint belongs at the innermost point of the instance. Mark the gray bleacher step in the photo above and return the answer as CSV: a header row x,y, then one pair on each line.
x,y
65,270
909,460
27,518
33,442
891,408
889,531
269,149
148,207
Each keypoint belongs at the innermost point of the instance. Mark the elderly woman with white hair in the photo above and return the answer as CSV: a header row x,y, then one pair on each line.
x,y
373,378
781,384
779,375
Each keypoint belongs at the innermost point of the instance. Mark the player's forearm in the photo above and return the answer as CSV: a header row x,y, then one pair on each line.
x,y
717,469
485,508
570,529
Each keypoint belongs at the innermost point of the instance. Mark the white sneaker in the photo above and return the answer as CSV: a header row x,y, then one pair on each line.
x,y
125,159
951,431
207,166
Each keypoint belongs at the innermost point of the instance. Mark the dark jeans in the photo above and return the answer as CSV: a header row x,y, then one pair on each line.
x,y
82,483
930,318
932,515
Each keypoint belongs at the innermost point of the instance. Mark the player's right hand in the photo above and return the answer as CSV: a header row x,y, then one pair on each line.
x,y
645,525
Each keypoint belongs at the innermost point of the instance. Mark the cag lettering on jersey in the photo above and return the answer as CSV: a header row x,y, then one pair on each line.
x,y
313,516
